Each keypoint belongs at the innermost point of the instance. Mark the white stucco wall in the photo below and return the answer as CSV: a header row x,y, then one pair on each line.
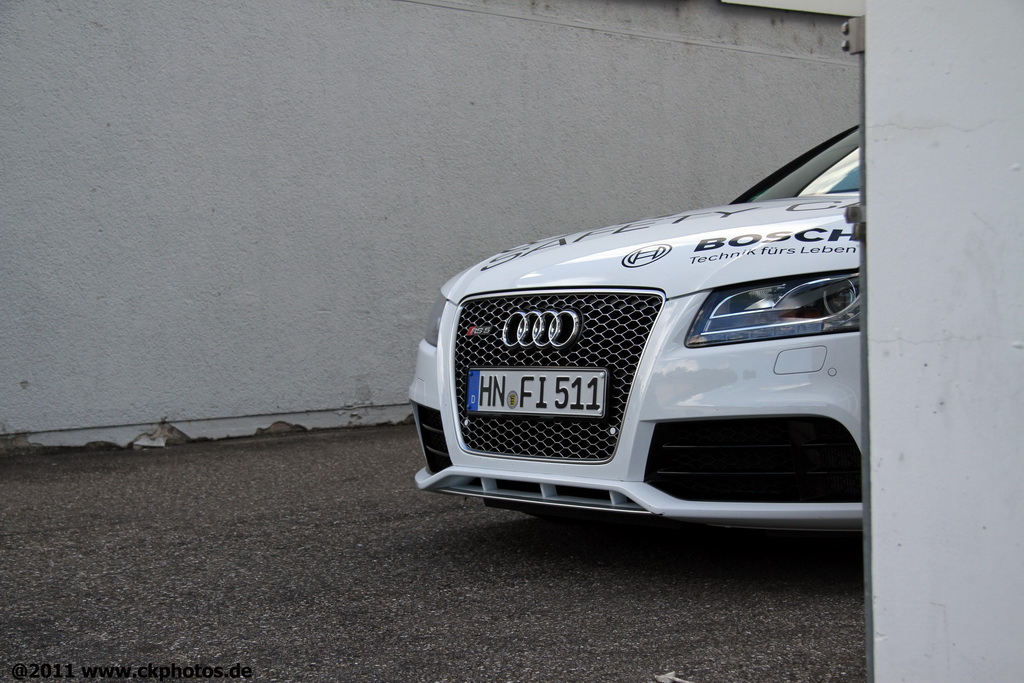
x,y
945,144
213,210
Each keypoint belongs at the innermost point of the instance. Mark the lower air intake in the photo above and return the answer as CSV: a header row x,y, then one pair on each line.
x,y
435,446
805,459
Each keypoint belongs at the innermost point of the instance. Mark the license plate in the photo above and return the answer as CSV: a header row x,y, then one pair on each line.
x,y
567,392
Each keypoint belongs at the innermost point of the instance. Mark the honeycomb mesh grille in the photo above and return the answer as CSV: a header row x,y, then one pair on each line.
x,y
615,328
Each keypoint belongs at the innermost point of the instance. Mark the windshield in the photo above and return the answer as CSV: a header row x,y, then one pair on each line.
x,y
830,168
843,177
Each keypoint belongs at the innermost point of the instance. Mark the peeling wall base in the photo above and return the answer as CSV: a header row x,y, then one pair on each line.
x,y
160,434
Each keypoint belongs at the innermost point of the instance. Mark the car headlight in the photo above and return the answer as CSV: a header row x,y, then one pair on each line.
x,y
794,307
434,321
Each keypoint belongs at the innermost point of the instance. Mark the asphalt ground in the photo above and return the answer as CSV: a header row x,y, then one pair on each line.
x,y
312,557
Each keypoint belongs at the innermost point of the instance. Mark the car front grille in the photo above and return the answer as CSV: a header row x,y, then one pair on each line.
x,y
615,328
801,459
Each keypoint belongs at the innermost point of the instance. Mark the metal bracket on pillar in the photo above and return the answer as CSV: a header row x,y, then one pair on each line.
x,y
857,217
853,29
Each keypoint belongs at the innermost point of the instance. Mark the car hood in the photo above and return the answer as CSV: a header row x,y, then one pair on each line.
x,y
679,254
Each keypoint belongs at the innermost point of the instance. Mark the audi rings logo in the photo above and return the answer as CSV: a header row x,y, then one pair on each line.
x,y
541,329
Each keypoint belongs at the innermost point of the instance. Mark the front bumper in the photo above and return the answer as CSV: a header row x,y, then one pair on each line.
x,y
816,377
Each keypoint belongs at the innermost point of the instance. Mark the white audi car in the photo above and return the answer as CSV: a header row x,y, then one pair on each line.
x,y
700,367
